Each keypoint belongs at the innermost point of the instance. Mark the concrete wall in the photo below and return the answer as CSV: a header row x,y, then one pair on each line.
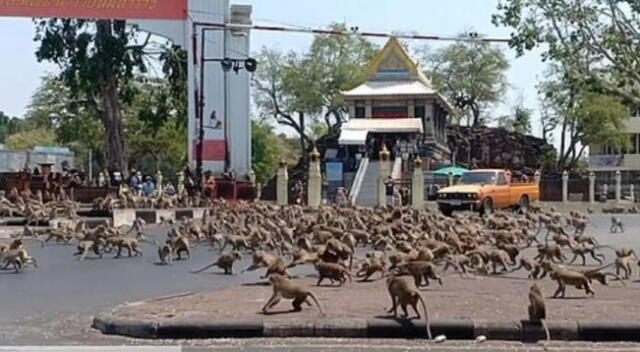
x,y
11,161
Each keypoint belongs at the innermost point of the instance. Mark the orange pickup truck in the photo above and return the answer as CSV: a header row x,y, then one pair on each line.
x,y
486,190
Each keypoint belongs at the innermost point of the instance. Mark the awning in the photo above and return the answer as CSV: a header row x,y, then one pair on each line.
x,y
412,125
353,137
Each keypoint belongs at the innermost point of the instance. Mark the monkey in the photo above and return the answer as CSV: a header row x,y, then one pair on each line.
x,y
369,267
302,256
419,270
225,262
180,244
131,244
537,309
333,272
164,252
261,259
581,250
287,289
403,292
18,258
534,268
565,276
89,245
624,263
616,224
236,242
277,266
550,251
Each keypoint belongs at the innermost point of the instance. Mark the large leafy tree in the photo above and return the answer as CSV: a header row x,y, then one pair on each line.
x,y
472,74
97,59
596,41
295,90
583,114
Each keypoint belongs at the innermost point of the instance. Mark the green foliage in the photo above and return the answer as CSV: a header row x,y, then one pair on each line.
x,y
596,41
472,74
296,90
9,126
265,153
97,59
518,121
584,115
28,139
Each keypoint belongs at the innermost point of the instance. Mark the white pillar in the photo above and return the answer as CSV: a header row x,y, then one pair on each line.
x,y
632,192
385,171
592,187
537,177
605,189
180,185
450,179
417,184
314,192
282,184
565,186
618,186
159,181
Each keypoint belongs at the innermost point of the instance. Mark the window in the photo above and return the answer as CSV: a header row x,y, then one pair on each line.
x,y
360,112
633,144
419,111
502,180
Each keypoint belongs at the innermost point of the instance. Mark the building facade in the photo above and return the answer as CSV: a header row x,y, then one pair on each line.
x,y
398,106
605,160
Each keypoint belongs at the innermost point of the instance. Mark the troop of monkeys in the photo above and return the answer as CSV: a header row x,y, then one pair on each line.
x,y
407,246
162,201
34,209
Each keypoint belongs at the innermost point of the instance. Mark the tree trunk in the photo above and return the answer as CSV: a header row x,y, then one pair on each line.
x,y
113,124
110,101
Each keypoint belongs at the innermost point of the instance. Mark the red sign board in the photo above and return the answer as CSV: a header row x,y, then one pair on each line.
x,y
108,9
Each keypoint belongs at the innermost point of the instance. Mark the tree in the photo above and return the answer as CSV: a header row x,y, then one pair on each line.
x,y
471,74
298,89
28,139
8,126
265,151
596,41
97,59
584,115
519,120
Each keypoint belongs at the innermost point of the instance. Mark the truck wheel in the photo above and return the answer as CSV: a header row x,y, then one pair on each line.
x,y
524,205
487,207
446,211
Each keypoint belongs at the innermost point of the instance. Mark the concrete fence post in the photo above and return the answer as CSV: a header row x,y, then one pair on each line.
x,y
605,190
159,181
282,184
314,192
450,179
417,184
383,175
618,186
632,193
592,187
537,177
565,186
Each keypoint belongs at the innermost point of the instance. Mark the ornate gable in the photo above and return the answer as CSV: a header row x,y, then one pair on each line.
x,y
394,63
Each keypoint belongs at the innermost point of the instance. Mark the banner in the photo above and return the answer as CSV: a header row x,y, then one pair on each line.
x,y
102,9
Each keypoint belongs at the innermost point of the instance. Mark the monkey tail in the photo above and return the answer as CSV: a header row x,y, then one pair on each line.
x,y
315,299
546,331
205,268
617,278
426,316
598,268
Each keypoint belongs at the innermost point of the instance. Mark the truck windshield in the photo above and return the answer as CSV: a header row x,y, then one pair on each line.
x,y
473,178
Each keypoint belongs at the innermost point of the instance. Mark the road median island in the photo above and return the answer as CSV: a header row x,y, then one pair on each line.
x,y
494,307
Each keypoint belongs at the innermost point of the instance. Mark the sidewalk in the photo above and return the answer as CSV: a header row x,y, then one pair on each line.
x,y
462,308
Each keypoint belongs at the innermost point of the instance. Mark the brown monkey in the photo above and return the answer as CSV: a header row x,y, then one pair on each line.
x,y
131,244
404,292
566,277
261,259
419,270
581,250
180,244
164,252
537,308
278,266
287,289
18,258
225,261
369,267
616,224
84,247
333,272
624,263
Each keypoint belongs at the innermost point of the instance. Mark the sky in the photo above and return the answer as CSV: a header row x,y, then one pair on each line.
x,y
20,72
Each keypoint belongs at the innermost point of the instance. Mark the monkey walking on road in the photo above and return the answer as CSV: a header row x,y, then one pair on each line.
x,y
537,309
225,262
287,289
403,292
616,224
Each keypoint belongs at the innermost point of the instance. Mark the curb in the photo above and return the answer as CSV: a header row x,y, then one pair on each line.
x,y
524,331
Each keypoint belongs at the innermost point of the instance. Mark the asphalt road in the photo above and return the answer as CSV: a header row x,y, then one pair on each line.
x,y
61,285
